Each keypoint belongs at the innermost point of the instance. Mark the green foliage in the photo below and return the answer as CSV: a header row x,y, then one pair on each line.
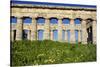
x,y
50,52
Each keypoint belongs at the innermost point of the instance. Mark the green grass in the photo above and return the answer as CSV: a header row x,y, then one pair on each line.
x,y
50,52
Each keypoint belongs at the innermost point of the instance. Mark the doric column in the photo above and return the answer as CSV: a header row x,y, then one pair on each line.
x,y
94,31
66,36
12,35
29,35
59,29
79,35
33,29
84,32
47,29
72,31
51,34
19,29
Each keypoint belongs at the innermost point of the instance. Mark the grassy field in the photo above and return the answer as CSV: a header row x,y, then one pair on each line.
x,y
50,52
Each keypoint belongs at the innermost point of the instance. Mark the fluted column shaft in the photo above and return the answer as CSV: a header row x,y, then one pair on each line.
x,y
94,31
51,34
19,29
34,29
84,32
79,35
29,35
59,29
12,35
72,31
47,29
66,36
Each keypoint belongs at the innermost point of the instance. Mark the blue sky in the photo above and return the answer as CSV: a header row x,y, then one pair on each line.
x,y
40,34
47,2
87,2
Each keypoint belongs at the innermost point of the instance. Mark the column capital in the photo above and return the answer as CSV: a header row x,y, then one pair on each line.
x,y
60,21
84,21
19,20
71,18
19,17
47,18
33,17
94,20
79,30
71,21
59,18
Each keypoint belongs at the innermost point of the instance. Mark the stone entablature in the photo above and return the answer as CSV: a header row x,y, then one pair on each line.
x,y
21,12
47,12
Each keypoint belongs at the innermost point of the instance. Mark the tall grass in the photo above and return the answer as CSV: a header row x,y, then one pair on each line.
x,y
50,52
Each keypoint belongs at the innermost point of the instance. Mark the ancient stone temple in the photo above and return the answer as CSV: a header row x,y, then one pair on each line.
x,y
53,21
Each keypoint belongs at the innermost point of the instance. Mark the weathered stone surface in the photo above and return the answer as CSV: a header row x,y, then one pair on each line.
x,y
94,31
84,32
48,12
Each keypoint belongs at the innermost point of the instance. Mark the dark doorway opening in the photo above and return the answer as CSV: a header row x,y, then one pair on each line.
x,y
25,35
90,38
14,34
